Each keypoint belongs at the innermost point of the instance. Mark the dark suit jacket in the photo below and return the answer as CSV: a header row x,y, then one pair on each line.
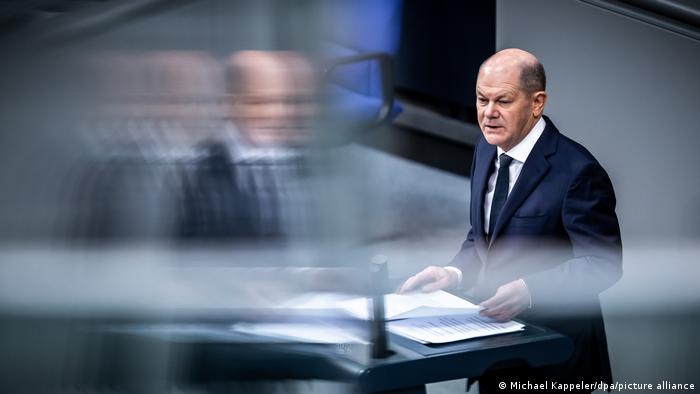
x,y
558,231
212,206
226,199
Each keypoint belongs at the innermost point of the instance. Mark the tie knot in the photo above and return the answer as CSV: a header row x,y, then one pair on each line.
x,y
504,160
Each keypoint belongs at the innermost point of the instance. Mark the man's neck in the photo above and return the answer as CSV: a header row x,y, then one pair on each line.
x,y
521,150
528,127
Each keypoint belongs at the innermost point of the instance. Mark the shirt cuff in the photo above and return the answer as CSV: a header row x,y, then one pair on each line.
x,y
528,292
456,271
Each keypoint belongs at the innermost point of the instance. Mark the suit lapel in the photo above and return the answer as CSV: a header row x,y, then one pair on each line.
x,y
535,168
482,169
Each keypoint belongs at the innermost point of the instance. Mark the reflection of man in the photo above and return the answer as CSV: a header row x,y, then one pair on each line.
x,y
545,240
273,97
250,183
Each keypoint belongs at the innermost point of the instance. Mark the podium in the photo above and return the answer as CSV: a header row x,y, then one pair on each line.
x,y
212,352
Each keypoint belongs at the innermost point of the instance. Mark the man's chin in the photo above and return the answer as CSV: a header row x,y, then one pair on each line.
x,y
493,138
278,137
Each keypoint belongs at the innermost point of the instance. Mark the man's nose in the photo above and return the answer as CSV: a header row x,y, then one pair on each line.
x,y
490,111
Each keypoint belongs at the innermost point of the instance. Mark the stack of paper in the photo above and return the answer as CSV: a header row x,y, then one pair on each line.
x,y
444,329
438,317
413,305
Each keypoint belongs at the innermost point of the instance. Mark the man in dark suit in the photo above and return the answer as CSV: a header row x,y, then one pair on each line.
x,y
250,182
544,238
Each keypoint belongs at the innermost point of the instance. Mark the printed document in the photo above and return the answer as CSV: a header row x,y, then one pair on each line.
x,y
411,305
437,317
446,329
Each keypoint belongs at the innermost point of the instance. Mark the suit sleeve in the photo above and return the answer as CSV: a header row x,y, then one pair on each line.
x,y
589,219
467,259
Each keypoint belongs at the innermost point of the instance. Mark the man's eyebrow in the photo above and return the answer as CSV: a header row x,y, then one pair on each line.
x,y
500,94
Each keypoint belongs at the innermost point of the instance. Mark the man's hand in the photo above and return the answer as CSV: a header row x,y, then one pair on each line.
x,y
430,279
509,300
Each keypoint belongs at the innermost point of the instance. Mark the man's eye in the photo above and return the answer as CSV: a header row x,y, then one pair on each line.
x,y
504,101
482,100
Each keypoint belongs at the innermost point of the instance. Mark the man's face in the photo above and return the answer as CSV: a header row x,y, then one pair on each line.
x,y
504,110
276,103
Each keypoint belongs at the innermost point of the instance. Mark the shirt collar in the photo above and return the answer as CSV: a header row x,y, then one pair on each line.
x,y
521,151
243,151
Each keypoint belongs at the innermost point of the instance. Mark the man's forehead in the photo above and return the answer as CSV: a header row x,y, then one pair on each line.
x,y
496,87
498,78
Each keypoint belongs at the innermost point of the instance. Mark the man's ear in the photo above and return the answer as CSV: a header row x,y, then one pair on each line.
x,y
539,99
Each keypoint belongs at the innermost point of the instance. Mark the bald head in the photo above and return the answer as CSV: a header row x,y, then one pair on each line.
x,y
532,76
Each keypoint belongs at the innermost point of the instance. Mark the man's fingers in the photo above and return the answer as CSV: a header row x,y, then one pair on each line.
x,y
498,305
408,285
488,304
504,311
499,315
502,318
504,305
496,300
427,276
415,282
437,285
495,311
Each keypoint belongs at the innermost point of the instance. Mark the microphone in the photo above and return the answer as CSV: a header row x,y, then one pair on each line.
x,y
379,280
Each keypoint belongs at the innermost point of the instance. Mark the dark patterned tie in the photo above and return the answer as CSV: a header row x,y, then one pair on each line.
x,y
500,194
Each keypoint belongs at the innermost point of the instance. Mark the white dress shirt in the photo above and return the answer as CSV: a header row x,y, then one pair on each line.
x,y
519,153
272,175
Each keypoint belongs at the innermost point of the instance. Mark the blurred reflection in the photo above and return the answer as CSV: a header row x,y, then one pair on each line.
x,y
273,97
253,181
175,154
169,134
154,108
